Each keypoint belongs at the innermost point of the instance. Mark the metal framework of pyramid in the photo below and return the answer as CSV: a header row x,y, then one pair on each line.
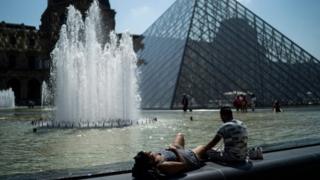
x,y
208,49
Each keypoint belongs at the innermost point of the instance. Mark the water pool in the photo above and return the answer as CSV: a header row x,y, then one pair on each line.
x,y
23,151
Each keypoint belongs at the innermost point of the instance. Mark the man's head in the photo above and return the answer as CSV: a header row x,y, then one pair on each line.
x,y
226,114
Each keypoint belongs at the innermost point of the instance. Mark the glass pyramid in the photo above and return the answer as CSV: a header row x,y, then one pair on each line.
x,y
213,49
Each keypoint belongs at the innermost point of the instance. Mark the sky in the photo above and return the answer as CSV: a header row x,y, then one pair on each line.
x,y
299,20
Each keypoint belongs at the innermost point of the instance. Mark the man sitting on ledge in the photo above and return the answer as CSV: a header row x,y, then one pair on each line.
x,y
235,137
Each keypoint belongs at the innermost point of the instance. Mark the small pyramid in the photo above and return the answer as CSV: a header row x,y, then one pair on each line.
x,y
212,49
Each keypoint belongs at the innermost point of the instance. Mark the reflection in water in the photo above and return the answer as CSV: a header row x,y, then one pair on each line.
x,y
23,151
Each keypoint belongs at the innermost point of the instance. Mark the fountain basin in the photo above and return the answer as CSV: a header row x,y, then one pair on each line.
x,y
52,149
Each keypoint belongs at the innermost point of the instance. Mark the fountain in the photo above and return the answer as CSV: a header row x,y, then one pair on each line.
x,y
94,84
45,95
7,98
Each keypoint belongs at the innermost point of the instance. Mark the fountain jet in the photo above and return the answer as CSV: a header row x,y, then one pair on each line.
x,y
93,82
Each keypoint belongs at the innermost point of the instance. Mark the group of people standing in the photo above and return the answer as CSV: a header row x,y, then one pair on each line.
x,y
241,103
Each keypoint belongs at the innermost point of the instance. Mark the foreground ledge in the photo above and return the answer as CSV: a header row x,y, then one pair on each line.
x,y
276,164
282,160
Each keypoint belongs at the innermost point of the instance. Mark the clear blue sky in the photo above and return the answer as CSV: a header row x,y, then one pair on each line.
x,y
297,19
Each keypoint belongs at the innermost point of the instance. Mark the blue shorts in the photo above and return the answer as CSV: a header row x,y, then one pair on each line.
x,y
191,159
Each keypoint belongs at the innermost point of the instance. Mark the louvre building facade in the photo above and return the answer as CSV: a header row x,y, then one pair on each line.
x,y
25,50
208,49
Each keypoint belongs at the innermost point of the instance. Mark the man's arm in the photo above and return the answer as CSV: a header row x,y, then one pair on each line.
x,y
213,142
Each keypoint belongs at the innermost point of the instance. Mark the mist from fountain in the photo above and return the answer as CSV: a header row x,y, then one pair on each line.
x,y
45,95
93,82
7,98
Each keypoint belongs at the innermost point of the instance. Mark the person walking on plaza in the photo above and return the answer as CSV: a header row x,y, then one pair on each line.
x,y
234,135
244,103
237,102
185,103
276,106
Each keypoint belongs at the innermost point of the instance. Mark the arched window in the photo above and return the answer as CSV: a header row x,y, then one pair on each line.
x,y
13,40
12,61
32,64
16,88
32,42
34,90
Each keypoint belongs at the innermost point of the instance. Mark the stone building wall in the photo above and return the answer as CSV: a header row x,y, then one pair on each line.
x,y
25,51
21,65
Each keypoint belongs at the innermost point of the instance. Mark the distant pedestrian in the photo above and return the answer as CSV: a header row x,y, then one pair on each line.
x,y
237,103
244,103
185,103
276,106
